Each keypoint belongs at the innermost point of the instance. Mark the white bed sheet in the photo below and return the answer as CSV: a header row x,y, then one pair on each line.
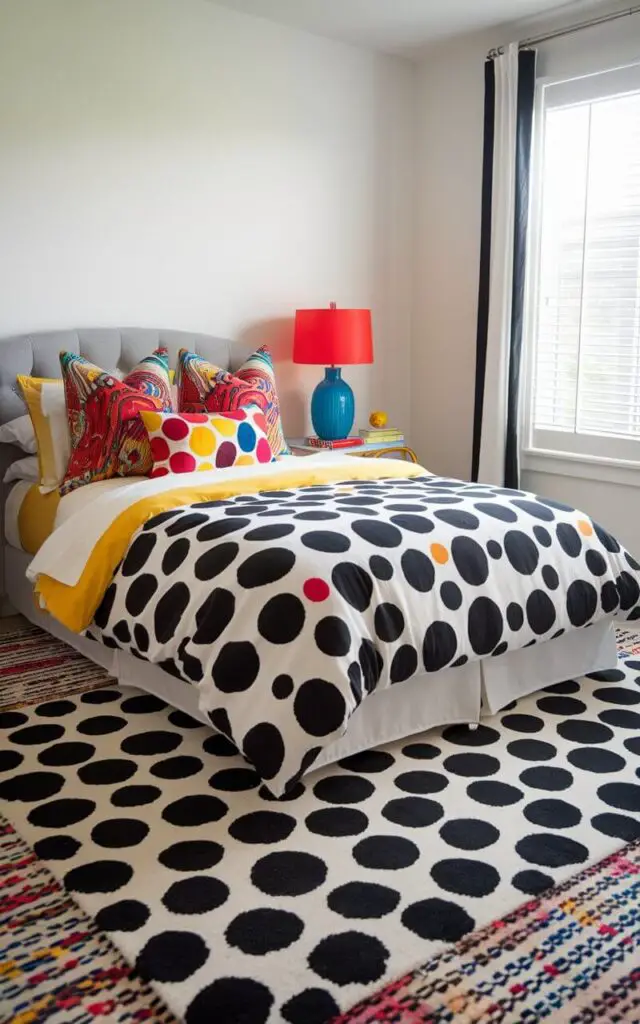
x,y
449,697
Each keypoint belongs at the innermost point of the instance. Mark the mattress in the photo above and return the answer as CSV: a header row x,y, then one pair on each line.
x,y
29,516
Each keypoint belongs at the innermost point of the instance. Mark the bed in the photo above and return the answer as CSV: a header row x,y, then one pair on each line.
x,y
450,695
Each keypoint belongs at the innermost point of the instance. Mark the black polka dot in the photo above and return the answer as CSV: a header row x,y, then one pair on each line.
x,y
281,619
116,833
362,900
343,789
521,552
315,516
541,613
231,999
371,664
404,664
31,787
523,723
55,709
583,731
263,747
354,585
135,796
140,593
451,596
469,833
596,564
437,920
550,850
389,622
107,772
34,735
458,518
485,625
385,853
418,570
235,780
377,533
469,765
196,895
196,809
221,528
582,602
171,956
66,754
288,873
563,706
421,782
169,611
262,827
463,736
56,847
550,577
470,560
550,779
275,531
101,617
337,821
349,958
219,746
413,523
258,932
61,813
569,539
412,812
552,814
465,877
265,567
313,1006
192,855
609,597
542,536
624,796
214,615
533,883
101,725
332,636
494,794
177,768
185,521
565,687
629,591
326,541
153,742
381,567
10,759
593,759
515,617
282,687
368,762
532,750
236,667
617,695
494,550
99,876
620,718
319,707
123,916
439,647
501,512
618,826
162,517
633,745
533,508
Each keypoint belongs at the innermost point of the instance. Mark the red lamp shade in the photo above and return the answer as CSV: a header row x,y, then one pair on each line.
x,y
333,337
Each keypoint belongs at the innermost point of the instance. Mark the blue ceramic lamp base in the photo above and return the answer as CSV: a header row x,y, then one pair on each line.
x,y
332,406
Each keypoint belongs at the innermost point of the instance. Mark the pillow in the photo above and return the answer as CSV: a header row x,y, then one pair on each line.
x,y
23,469
21,433
203,387
108,437
46,405
186,442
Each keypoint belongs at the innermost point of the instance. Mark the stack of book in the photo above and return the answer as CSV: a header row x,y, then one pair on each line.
x,y
344,442
388,435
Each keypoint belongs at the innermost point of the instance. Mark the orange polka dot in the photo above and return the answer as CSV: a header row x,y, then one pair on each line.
x,y
585,527
439,554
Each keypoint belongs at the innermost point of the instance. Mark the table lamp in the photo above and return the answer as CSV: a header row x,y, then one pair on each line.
x,y
332,338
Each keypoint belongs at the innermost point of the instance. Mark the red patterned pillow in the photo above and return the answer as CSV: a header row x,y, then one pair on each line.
x,y
108,437
203,387
190,442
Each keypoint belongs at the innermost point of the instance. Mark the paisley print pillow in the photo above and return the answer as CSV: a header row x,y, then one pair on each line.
x,y
190,442
108,438
203,387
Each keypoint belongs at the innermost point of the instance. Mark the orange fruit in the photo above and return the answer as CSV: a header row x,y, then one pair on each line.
x,y
378,419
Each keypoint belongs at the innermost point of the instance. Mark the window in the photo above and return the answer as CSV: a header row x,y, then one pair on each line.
x,y
585,294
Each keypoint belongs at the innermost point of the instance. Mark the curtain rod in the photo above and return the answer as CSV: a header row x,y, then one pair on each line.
x,y
536,40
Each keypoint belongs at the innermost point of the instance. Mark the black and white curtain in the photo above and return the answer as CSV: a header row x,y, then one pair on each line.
x,y
508,121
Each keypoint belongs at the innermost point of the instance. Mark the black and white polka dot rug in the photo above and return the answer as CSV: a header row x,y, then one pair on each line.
x,y
243,909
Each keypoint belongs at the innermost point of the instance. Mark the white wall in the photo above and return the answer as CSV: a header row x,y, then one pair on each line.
x,y
447,245
171,163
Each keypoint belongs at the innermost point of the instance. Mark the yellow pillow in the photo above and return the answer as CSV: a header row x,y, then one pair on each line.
x,y
45,401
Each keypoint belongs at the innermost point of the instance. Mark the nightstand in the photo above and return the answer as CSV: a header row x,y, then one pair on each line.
x,y
375,450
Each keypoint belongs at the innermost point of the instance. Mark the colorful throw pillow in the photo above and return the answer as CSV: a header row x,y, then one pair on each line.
x,y
46,404
108,438
190,442
203,387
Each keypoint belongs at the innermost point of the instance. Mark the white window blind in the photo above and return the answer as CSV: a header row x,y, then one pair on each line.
x,y
586,386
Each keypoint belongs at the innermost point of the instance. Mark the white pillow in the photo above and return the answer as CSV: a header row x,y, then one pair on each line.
x,y
53,406
21,433
23,469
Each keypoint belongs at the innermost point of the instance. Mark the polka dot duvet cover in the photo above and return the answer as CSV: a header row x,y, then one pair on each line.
x,y
287,607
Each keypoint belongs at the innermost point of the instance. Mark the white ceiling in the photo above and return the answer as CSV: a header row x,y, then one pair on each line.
x,y
398,26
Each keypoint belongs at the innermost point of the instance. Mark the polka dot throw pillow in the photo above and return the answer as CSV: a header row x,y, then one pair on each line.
x,y
190,442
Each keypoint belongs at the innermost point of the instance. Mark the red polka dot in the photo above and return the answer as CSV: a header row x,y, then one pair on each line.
x,y
160,449
159,471
316,590
238,414
175,429
226,455
182,462
263,451
194,417
260,420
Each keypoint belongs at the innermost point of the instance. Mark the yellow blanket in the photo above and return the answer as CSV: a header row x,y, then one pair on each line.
x,y
76,606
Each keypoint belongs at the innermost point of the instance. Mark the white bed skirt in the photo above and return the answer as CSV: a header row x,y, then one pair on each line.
x,y
450,697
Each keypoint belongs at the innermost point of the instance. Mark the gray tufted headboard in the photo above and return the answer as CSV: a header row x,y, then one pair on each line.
x,y
117,348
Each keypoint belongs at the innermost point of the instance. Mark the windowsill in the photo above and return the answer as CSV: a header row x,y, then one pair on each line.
x,y
586,467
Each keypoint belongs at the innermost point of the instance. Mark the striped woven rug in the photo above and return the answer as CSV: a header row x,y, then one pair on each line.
x,y
35,667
